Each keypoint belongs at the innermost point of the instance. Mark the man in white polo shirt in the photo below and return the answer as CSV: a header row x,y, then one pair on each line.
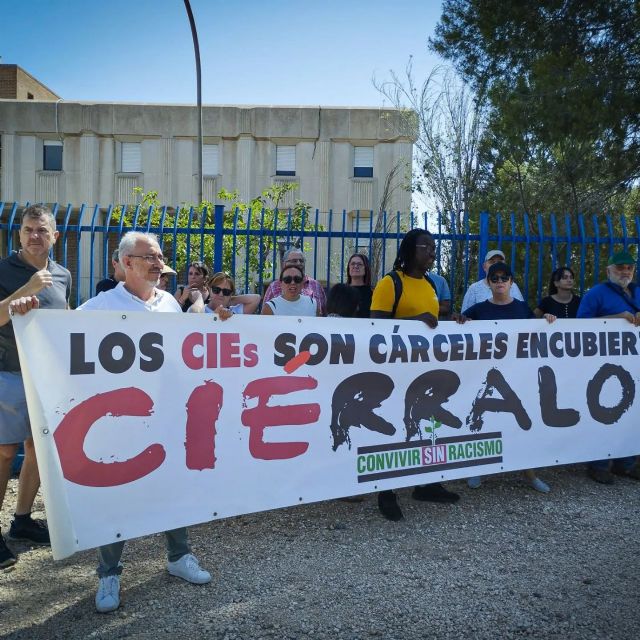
x,y
142,261
479,291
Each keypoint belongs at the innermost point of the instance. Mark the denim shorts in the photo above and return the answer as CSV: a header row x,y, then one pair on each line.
x,y
14,417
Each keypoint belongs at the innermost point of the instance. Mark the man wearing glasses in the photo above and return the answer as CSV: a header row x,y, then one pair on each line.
x,y
618,297
310,287
480,291
26,274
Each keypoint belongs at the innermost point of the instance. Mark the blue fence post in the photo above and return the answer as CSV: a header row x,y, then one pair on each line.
x,y
484,242
218,226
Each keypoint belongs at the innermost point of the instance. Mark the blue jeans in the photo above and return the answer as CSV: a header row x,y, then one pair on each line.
x,y
109,554
603,465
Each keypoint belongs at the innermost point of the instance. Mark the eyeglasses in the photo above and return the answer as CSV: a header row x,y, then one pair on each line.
x,y
295,261
290,279
150,258
496,279
220,290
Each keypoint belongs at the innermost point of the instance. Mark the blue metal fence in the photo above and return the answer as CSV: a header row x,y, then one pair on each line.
x,y
248,249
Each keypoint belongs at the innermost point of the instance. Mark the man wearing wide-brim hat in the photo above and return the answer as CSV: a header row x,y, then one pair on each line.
x,y
618,297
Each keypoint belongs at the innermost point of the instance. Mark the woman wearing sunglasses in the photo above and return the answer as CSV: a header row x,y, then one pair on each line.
x,y
222,296
291,302
502,306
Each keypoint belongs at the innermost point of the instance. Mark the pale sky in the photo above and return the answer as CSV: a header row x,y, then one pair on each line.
x,y
253,52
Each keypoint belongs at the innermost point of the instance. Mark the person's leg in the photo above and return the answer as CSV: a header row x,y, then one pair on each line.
x,y
29,480
109,559
109,570
434,492
598,471
626,467
388,505
177,543
535,482
7,454
180,561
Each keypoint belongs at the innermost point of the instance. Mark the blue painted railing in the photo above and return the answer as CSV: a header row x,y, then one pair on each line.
x,y
534,245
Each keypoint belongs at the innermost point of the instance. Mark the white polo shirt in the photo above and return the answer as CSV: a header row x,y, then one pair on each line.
x,y
119,299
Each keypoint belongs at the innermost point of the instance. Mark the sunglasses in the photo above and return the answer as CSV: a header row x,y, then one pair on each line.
x,y
290,279
220,290
495,279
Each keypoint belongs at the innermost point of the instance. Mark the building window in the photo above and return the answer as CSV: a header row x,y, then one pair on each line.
x,y
29,96
210,160
131,157
52,155
285,160
363,162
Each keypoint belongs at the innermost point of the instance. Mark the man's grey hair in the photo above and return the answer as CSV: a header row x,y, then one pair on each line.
x,y
129,240
37,210
288,252
115,256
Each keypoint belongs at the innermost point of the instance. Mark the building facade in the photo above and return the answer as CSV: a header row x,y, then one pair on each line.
x,y
97,153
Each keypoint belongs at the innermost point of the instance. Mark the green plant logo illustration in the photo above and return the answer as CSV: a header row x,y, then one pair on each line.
x,y
431,428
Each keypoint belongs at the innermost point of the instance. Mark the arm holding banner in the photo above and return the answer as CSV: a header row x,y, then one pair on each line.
x,y
37,283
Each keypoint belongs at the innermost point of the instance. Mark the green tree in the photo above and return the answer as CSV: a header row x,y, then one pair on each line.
x,y
563,79
196,222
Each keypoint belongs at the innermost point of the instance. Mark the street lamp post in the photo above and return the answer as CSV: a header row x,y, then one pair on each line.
x,y
196,48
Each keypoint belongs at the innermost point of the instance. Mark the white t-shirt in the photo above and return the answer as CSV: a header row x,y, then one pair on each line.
x,y
119,299
303,306
236,308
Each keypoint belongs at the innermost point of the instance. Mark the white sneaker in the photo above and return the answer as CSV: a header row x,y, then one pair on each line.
x,y
108,596
188,569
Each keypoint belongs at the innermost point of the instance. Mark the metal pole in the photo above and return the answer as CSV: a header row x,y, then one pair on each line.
x,y
196,48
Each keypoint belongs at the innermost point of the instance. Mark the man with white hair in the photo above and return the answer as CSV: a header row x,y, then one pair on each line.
x,y
310,287
619,297
28,272
480,291
142,261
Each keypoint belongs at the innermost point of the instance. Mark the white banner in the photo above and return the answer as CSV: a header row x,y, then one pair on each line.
x,y
145,422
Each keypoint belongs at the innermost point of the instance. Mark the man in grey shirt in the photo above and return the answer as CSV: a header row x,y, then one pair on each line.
x,y
26,272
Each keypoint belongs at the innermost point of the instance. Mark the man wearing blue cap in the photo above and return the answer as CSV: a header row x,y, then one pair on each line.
x,y
618,297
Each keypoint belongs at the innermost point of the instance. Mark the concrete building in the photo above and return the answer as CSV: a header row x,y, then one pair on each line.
x,y
97,153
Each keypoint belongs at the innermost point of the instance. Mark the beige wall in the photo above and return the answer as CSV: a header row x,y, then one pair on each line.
x,y
17,84
246,137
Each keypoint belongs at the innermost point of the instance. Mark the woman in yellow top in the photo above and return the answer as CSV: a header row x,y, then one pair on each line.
x,y
418,301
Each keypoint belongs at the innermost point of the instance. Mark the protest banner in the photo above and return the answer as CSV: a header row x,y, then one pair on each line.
x,y
147,422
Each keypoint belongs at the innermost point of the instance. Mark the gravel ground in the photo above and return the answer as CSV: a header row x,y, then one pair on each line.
x,y
505,562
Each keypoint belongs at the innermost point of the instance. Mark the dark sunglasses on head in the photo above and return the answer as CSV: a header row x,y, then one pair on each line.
x,y
495,279
290,279
218,290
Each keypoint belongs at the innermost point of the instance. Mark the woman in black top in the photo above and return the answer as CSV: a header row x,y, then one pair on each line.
x,y
561,301
359,277
196,286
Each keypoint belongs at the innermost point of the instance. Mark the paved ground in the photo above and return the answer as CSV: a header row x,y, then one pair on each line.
x,y
505,562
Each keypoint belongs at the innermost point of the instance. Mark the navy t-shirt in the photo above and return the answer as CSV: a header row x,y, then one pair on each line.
x,y
15,273
515,310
